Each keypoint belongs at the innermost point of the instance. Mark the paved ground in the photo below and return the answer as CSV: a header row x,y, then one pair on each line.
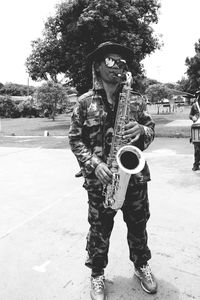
x,y
50,142
181,123
43,227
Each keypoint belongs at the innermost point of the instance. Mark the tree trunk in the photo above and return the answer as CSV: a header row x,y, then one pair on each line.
x,y
54,110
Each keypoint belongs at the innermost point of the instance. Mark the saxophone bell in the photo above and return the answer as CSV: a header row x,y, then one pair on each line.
x,y
130,159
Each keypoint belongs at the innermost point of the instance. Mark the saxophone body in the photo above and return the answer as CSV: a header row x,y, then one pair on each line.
x,y
124,158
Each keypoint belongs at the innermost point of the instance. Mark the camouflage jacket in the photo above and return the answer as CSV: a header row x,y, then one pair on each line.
x,y
91,129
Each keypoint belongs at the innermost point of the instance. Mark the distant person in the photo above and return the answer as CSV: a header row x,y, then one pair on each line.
x,y
195,117
91,138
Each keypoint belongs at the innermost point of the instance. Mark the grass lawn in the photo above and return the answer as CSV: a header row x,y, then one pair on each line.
x,y
170,131
35,126
59,127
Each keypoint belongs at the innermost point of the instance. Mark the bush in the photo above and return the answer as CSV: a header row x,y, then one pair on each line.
x,y
8,108
27,108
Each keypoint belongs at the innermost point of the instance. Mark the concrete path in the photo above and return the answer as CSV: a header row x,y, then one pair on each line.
x,y
43,226
179,123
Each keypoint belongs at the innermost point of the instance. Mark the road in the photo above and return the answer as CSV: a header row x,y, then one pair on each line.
x,y
43,227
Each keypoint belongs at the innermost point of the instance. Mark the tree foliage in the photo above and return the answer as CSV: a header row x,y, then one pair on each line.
x,y
45,61
7,107
10,108
184,85
49,95
158,92
193,69
80,25
144,83
14,89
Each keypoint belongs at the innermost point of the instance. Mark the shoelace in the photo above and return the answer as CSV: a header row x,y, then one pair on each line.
x,y
98,283
147,272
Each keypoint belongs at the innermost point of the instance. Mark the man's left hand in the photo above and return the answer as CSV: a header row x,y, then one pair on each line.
x,y
131,130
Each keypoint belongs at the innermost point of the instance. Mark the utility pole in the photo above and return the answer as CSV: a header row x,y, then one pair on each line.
x,y
28,86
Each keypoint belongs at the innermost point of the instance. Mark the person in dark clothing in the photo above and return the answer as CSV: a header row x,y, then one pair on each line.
x,y
195,117
90,138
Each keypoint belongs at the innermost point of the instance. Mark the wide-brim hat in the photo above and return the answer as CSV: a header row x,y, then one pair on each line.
x,y
110,47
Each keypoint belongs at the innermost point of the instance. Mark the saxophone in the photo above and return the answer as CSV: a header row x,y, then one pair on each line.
x,y
124,158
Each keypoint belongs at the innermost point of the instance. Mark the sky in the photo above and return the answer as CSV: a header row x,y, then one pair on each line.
x,y
22,21
179,26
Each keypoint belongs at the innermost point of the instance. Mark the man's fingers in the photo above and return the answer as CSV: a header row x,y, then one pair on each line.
x,y
105,179
103,174
130,125
129,134
134,130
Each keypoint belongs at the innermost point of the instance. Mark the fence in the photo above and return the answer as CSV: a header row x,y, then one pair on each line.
x,y
167,108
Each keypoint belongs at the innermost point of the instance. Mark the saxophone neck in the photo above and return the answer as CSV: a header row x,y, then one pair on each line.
x,y
126,78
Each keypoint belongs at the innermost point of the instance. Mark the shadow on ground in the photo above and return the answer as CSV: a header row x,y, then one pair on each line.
x,y
129,288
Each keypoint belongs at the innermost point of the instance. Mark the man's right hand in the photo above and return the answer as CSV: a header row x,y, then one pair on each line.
x,y
103,173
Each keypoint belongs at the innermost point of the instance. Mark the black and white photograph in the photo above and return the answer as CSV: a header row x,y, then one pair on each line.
x,y
100,150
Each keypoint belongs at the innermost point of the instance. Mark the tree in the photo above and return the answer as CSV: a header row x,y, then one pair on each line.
x,y
49,95
193,69
158,92
144,83
14,89
45,61
80,25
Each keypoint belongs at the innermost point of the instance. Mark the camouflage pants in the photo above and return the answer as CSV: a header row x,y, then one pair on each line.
x,y
196,154
135,214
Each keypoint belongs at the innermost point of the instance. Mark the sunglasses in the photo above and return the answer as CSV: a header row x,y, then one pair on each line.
x,y
111,63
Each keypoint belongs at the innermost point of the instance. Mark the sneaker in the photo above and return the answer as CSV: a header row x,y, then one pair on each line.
x,y
79,174
147,279
98,288
195,168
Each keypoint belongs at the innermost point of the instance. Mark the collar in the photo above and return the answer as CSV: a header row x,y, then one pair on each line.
x,y
97,82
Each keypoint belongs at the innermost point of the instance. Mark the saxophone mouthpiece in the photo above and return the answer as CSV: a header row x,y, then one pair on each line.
x,y
122,76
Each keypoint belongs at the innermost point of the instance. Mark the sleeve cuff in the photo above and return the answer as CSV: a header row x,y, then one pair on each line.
x,y
91,164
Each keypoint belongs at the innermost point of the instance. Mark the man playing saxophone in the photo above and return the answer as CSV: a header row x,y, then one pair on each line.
x,y
91,132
